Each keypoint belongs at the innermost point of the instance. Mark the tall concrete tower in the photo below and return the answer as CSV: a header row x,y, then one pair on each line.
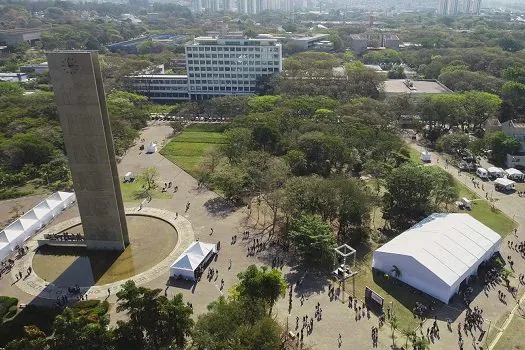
x,y
79,95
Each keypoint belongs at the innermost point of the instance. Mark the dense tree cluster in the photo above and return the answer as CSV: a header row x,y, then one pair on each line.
x,y
31,144
154,321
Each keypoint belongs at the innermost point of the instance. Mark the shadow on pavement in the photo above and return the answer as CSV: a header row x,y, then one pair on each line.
x,y
219,207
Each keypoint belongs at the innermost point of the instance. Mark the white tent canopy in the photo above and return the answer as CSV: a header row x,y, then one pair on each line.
x,y
504,182
514,173
425,156
196,255
438,253
495,171
32,221
152,148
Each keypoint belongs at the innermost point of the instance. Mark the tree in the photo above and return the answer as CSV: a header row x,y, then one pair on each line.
x,y
34,339
230,179
7,88
481,106
514,93
238,142
240,323
73,331
396,72
501,145
410,334
454,144
262,284
510,44
154,320
421,343
149,177
266,136
313,240
466,81
394,325
408,196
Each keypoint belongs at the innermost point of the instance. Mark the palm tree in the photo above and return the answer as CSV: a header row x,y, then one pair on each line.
x,y
421,343
394,324
410,334
396,271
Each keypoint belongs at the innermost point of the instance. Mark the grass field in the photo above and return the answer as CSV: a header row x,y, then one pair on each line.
x,y
188,148
399,297
512,338
133,192
482,211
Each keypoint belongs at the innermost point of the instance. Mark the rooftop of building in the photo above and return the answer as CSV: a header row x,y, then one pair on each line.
x,y
160,76
21,30
229,40
418,87
309,38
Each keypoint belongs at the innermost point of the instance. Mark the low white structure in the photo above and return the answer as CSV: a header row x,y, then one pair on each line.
x,y
28,224
194,257
514,174
152,148
426,157
482,173
437,254
129,177
496,172
502,184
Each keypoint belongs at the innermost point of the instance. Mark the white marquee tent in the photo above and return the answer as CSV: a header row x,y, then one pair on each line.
x,y
32,221
197,254
438,253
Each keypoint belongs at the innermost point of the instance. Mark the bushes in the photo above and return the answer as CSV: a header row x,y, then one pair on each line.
x,y
90,308
6,304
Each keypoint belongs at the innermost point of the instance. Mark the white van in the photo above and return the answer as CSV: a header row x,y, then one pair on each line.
x,y
482,173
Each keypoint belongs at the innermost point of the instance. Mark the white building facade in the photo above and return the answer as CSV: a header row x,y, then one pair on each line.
x,y
230,65
162,88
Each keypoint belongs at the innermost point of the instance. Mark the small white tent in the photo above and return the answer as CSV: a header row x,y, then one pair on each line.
x,y
196,255
495,172
152,148
504,184
185,267
426,156
514,174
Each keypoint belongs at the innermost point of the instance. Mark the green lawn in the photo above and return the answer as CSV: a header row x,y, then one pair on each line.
x,y
188,148
399,297
415,155
512,336
133,192
482,211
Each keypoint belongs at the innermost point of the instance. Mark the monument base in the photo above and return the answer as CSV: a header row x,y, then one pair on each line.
x,y
105,245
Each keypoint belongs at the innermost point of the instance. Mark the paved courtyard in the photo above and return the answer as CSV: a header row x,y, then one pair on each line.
x,y
207,210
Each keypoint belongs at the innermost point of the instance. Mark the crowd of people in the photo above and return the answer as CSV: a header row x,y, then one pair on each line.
x,y
65,236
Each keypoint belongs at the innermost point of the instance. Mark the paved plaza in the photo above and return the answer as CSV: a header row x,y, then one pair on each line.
x,y
207,211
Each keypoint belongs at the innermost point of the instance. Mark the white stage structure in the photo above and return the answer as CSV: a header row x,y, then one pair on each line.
x,y
28,224
438,253
195,256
